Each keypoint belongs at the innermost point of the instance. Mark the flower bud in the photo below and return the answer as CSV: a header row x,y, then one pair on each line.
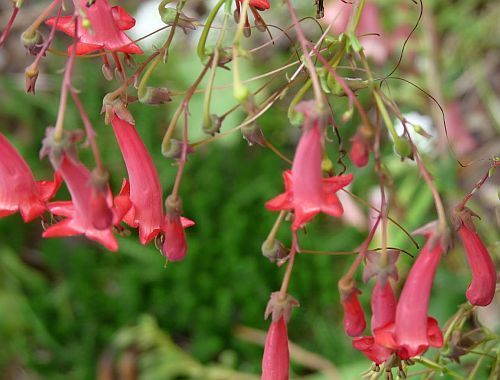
x,y
274,250
33,42
30,76
482,287
212,125
403,148
276,359
173,149
154,95
253,134
354,316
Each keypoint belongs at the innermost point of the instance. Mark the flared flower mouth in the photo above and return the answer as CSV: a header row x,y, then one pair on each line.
x,y
18,189
105,31
91,212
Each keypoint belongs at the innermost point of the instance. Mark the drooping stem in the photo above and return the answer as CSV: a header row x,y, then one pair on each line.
x,y
318,93
66,84
31,30
289,268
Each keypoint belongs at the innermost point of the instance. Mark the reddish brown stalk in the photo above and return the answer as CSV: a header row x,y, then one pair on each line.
x,y
66,84
89,131
185,106
318,93
350,94
291,261
479,184
347,279
7,29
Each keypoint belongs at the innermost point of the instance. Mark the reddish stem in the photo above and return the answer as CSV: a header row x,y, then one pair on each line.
x,y
6,32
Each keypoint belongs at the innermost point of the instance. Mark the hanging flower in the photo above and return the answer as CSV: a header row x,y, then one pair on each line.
x,y
18,189
90,211
102,30
354,316
145,194
276,360
383,304
360,148
482,287
307,193
143,187
413,331
174,246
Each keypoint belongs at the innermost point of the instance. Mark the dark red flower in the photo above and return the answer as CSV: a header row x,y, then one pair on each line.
x,y
354,316
373,351
145,194
383,305
18,189
174,246
144,189
105,31
307,193
90,212
482,287
413,330
360,149
276,359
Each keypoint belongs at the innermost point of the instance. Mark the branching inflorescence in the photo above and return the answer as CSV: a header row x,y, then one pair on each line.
x,y
401,329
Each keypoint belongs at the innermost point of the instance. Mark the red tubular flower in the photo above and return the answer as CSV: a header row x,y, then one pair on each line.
x,y
174,246
383,305
106,28
411,313
145,194
18,189
144,189
276,360
482,287
306,192
354,316
371,349
414,331
89,212
360,149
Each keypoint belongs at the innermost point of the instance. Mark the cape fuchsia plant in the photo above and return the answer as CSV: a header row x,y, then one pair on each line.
x,y
324,72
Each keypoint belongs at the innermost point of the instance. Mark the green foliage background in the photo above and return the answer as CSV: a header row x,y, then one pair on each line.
x,y
63,302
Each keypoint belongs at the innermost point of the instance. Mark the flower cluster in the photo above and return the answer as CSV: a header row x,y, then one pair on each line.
x,y
400,327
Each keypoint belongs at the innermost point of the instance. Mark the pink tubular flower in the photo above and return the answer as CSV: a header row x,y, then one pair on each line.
x,y
383,303
145,194
360,149
276,360
106,28
18,189
174,246
307,193
144,189
89,212
413,331
482,287
354,316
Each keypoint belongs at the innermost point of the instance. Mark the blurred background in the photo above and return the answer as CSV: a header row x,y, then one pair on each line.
x,y
71,310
